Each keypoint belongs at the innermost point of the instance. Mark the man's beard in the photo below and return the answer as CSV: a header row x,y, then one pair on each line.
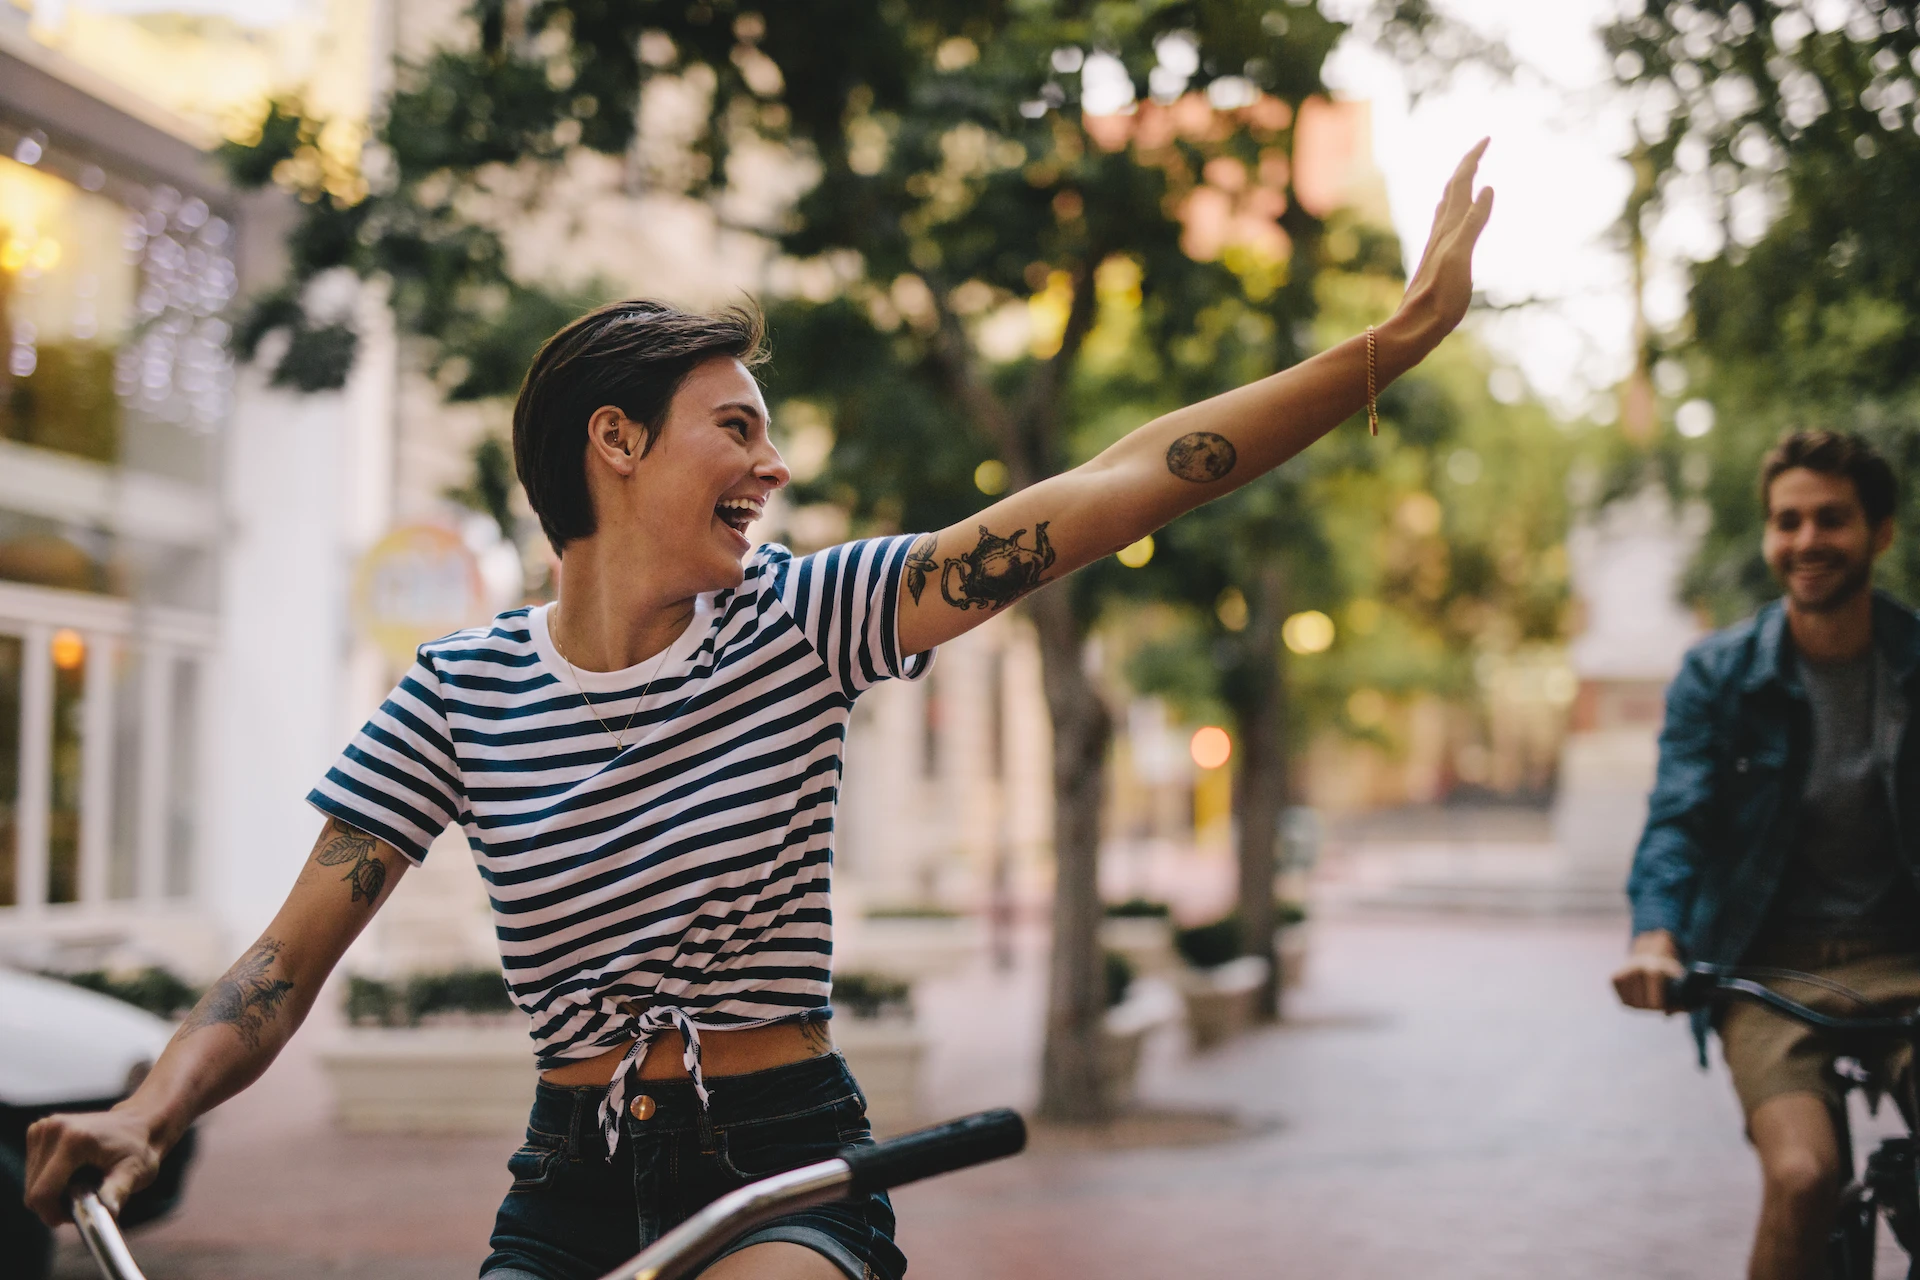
x,y
1851,582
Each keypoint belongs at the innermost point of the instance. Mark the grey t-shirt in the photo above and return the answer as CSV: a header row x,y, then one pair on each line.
x,y
1843,863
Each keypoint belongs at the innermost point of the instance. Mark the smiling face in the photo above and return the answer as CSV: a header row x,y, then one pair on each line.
x,y
1817,541
684,506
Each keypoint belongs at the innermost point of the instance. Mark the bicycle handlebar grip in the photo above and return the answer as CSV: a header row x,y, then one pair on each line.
x,y
970,1140
1694,991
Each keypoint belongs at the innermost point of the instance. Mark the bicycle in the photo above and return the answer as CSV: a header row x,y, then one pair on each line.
x,y
856,1171
1888,1185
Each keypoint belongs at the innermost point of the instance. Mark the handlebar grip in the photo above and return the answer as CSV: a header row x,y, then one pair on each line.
x,y
970,1140
1693,991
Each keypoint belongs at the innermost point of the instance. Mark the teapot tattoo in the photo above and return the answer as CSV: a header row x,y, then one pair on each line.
x,y
994,574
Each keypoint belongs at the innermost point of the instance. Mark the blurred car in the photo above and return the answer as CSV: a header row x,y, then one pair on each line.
x,y
66,1049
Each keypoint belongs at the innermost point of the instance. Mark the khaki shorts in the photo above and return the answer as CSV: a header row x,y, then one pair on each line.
x,y
1770,1054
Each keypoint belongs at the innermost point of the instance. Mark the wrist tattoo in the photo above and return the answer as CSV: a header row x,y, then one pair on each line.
x,y
997,571
345,844
1202,457
245,998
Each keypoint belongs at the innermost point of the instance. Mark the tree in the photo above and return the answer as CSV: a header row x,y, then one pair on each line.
x,y
1794,123
973,165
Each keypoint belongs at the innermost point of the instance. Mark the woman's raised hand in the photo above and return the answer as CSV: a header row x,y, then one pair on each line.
x,y
1441,290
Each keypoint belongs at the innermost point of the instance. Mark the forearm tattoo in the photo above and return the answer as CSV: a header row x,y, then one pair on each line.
x,y
994,574
1201,456
345,844
245,999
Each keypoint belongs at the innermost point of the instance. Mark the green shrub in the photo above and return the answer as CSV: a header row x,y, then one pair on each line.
x,y
407,1004
371,1001
872,995
481,991
1139,909
1287,911
1118,972
1207,945
158,991
912,911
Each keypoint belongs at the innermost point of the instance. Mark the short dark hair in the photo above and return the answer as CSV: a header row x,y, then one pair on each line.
x,y
1835,453
633,355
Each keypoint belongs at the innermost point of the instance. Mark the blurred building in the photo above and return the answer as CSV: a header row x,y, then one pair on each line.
x,y
175,537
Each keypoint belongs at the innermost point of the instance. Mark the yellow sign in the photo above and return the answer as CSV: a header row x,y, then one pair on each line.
x,y
416,584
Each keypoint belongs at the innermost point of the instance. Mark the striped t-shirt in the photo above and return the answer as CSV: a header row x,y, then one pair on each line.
x,y
680,881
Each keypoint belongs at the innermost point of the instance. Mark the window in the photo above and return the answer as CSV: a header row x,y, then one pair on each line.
x,y
100,749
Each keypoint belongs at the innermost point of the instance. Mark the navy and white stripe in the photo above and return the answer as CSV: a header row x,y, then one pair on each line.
x,y
688,872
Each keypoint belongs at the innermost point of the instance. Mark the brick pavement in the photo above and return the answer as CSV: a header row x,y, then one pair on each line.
x,y
1452,1098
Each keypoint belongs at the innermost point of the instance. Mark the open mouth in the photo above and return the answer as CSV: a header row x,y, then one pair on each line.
x,y
737,513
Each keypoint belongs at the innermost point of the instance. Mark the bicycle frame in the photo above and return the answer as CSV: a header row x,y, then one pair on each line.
x,y
1890,1183
856,1171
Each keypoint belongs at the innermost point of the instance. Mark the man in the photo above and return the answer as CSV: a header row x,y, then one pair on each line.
x,y
1781,830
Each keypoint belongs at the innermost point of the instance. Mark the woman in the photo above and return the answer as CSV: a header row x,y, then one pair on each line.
x,y
646,772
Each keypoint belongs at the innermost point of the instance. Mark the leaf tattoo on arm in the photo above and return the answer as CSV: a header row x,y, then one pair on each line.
x,y
245,998
920,563
368,874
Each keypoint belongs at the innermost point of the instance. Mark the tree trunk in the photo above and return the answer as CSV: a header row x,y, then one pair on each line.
x,y
1260,783
1076,991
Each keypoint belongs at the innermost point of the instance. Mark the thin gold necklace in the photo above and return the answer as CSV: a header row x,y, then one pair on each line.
x,y
618,744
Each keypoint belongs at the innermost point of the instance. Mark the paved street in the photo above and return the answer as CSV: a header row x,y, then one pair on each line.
x,y
1452,1098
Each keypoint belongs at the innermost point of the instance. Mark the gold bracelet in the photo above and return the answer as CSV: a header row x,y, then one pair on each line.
x,y
1373,383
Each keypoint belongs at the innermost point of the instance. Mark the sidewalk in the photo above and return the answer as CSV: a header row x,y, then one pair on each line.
x,y
1451,1098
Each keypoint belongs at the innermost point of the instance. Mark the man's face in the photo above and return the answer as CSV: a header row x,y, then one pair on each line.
x,y
1818,542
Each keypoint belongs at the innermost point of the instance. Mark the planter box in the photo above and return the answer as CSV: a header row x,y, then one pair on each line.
x,y
886,1056
1149,1005
431,1079
910,947
1291,942
1222,1001
1146,942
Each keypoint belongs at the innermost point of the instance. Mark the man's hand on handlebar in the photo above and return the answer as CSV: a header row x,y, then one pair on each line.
x,y
115,1143
1653,963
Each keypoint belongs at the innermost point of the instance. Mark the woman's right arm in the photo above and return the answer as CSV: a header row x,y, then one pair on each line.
x,y
232,1035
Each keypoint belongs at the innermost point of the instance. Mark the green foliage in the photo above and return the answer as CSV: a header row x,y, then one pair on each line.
x,y
1207,946
1117,974
490,490
477,992
1138,909
912,911
1811,319
159,991
872,995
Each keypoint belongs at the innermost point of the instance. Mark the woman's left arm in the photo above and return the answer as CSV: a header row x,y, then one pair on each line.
x,y
963,575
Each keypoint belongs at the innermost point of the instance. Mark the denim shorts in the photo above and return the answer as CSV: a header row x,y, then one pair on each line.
x,y
574,1214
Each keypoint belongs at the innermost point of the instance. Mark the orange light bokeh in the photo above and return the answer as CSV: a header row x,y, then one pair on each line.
x,y
69,649
1211,747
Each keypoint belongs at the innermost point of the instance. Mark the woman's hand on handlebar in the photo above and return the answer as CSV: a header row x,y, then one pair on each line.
x,y
1653,963
117,1144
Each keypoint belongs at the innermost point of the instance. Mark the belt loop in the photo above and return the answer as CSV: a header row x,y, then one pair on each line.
x,y
582,1122
704,1121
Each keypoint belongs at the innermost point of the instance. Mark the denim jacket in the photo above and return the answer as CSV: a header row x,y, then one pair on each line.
x,y
1734,754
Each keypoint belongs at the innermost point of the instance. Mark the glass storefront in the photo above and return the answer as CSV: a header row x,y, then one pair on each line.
x,y
112,305
115,383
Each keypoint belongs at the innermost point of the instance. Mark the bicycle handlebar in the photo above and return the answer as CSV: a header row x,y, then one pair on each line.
x,y
856,1171
102,1234
970,1140
1703,982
